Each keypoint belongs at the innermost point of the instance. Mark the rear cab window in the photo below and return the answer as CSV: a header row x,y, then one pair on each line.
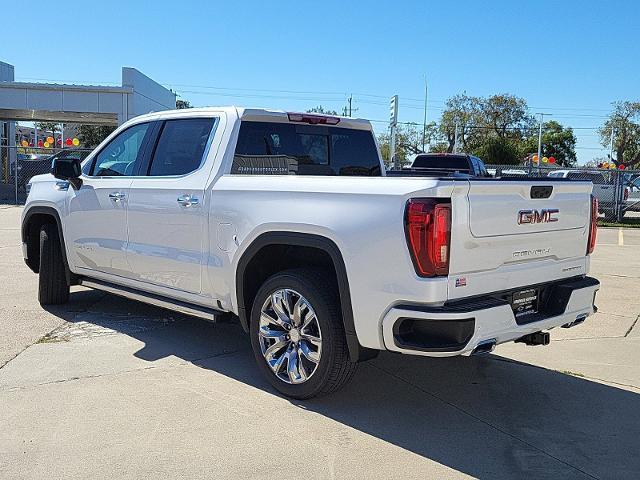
x,y
271,148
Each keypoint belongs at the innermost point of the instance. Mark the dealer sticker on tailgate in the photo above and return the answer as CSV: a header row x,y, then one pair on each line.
x,y
525,302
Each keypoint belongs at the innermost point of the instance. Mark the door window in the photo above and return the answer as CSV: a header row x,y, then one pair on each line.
x,y
121,154
181,146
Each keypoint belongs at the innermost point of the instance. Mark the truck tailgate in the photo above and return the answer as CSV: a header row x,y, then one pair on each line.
x,y
516,233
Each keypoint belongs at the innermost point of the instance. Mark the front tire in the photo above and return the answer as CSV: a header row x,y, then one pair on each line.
x,y
297,334
53,288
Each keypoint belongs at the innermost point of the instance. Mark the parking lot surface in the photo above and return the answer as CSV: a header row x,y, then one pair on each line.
x,y
105,387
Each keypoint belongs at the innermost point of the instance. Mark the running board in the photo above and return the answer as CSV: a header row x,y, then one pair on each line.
x,y
209,314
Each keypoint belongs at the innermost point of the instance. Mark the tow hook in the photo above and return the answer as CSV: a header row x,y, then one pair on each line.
x,y
537,338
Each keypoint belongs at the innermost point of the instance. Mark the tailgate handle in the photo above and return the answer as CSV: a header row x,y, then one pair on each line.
x,y
541,191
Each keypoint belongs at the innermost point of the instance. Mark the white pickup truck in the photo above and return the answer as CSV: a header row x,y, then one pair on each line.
x,y
289,222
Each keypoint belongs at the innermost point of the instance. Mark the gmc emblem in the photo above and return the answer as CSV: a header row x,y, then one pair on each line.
x,y
537,216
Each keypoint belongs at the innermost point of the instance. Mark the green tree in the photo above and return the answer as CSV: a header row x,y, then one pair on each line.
x,y
479,120
505,116
182,104
321,109
90,136
497,150
408,141
462,112
47,127
557,141
625,123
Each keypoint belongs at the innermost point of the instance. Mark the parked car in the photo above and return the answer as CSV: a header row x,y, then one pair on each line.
x,y
438,164
632,197
31,164
507,172
604,188
228,211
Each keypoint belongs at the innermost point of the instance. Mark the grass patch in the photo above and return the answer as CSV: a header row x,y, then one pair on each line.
x,y
573,374
633,222
50,339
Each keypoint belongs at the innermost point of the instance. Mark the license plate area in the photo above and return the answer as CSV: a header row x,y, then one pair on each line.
x,y
525,303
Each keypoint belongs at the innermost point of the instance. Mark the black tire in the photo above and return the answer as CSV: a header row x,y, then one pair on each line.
x,y
53,288
335,368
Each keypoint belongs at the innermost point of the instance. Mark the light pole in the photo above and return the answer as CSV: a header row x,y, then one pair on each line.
x,y
540,138
611,145
424,122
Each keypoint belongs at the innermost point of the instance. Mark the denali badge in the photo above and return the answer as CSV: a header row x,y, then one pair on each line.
x,y
537,216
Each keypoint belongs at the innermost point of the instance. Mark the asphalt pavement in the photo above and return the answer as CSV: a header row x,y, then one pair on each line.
x,y
104,387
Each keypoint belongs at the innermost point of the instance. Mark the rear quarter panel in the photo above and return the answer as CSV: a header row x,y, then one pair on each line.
x,y
363,216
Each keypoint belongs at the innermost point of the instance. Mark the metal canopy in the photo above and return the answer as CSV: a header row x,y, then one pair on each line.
x,y
59,117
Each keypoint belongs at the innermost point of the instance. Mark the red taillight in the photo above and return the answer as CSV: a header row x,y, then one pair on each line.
x,y
312,119
593,226
428,231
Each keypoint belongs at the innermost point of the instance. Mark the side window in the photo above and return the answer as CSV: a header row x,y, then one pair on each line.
x,y
120,155
482,169
180,148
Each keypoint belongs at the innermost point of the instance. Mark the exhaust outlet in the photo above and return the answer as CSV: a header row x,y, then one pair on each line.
x,y
486,346
579,319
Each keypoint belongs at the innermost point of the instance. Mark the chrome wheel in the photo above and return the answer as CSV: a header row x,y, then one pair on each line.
x,y
289,336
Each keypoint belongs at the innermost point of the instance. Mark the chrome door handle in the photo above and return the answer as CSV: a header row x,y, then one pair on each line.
x,y
187,200
117,196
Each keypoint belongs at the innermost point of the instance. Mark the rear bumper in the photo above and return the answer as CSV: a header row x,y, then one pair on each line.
x,y
457,328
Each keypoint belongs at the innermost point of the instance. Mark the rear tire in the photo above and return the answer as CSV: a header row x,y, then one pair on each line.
x,y
323,340
53,288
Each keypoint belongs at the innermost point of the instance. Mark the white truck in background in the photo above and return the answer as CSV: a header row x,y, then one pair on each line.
x,y
289,222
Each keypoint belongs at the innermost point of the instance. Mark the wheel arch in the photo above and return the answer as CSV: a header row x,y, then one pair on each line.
x,y
32,221
323,244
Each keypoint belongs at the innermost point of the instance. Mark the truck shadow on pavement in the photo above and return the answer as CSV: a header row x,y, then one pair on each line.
x,y
488,417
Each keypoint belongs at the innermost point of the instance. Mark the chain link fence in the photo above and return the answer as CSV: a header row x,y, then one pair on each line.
x,y
19,164
618,191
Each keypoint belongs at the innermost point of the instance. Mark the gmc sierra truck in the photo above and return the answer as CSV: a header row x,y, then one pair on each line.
x,y
288,222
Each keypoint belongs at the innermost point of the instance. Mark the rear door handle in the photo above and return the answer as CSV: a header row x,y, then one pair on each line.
x,y
117,196
187,200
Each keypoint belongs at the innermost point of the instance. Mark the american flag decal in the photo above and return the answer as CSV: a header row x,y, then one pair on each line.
x,y
461,282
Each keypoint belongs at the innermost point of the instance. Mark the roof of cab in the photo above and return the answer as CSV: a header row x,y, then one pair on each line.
x,y
253,114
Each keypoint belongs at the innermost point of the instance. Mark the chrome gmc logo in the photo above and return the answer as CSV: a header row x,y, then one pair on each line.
x,y
537,216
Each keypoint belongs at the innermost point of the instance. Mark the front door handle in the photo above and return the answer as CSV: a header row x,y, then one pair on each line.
x,y
187,200
117,196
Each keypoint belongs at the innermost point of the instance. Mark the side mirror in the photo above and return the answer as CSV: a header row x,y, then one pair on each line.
x,y
69,169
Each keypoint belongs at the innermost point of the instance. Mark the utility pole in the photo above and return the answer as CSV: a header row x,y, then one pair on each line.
x,y
350,100
455,139
424,122
611,144
393,121
540,138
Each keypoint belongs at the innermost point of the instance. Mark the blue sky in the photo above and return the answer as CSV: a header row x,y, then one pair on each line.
x,y
570,58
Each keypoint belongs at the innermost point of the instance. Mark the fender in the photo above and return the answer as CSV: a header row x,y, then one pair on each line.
x,y
52,212
356,351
